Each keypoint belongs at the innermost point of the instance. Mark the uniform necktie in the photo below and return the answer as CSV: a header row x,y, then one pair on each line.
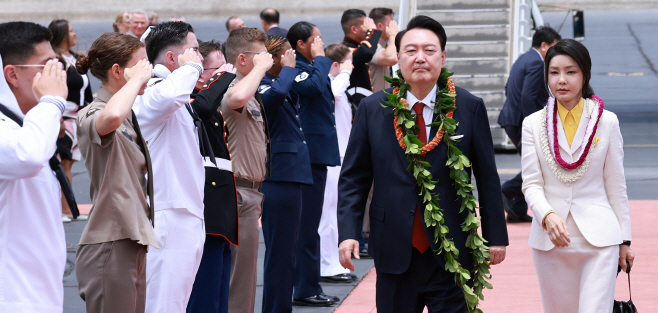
x,y
418,236
147,158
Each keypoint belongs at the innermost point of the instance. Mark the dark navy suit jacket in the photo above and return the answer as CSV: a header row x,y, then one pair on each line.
x,y
277,31
316,109
373,154
525,89
290,158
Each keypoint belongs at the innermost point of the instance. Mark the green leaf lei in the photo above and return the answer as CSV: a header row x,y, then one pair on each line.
x,y
457,162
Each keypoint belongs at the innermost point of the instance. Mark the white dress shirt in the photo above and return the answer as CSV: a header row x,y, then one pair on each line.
x,y
32,243
343,110
168,128
428,109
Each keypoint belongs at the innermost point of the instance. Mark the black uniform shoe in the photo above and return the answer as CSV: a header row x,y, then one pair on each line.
x,y
339,278
317,300
335,299
354,277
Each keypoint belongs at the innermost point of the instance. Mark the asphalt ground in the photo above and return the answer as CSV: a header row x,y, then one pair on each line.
x,y
622,44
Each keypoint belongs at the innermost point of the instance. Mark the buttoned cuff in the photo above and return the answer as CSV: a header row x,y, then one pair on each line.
x,y
58,101
197,66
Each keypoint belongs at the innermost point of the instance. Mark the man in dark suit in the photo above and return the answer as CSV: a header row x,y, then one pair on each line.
x,y
410,277
526,94
290,172
316,113
270,20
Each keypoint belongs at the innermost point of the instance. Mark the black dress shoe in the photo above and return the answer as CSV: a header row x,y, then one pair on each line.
x,y
354,277
335,299
524,219
317,300
339,278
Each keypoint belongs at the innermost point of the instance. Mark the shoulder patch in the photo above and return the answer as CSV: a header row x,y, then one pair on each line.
x,y
263,88
301,77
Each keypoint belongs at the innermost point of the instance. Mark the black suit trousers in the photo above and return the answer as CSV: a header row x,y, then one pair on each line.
x,y
424,284
512,187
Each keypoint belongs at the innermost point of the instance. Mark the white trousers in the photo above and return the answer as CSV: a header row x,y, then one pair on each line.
x,y
579,278
328,229
170,270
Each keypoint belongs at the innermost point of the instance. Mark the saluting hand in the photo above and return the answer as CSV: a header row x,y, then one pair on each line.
x,y
141,72
392,30
347,66
263,61
317,47
368,23
51,81
226,67
189,55
289,58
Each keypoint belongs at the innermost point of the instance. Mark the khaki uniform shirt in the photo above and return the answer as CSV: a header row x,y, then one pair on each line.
x,y
117,170
377,72
246,140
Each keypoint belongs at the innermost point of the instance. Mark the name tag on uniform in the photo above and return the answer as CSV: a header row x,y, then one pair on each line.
x,y
124,132
255,112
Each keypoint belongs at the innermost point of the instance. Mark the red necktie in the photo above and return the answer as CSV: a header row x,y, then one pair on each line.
x,y
418,236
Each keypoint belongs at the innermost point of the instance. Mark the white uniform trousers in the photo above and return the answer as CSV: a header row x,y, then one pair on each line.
x,y
170,270
328,229
579,278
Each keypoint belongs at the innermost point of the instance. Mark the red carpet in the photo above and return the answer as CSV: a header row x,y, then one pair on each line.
x,y
515,282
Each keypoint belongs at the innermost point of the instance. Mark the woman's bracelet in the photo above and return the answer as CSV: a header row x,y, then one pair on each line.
x,y
543,221
625,243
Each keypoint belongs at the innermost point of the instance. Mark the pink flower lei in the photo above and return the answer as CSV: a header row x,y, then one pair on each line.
x,y
589,134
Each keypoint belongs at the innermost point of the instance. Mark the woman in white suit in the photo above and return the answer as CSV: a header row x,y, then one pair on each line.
x,y
573,180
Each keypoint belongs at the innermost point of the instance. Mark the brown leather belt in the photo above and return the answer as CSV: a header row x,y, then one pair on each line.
x,y
248,183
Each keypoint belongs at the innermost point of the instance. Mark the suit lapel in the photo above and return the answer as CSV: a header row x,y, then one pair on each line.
x,y
389,132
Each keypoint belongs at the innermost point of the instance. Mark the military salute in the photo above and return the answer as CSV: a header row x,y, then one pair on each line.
x,y
362,37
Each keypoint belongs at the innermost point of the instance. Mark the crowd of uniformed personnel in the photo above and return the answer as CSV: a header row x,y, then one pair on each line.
x,y
188,145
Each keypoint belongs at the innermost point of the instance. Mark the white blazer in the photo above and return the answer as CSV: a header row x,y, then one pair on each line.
x,y
597,201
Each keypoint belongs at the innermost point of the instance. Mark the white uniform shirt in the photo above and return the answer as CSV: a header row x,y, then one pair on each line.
x,y
32,242
343,110
168,128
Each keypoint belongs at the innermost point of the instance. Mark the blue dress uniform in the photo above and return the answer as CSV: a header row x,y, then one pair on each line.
x,y
282,207
316,111
211,286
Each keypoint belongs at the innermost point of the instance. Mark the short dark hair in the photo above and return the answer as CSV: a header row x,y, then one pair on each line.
x,y
336,52
347,20
228,22
299,31
165,35
206,47
17,40
423,22
576,51
544,34
241,39
378,14
270,16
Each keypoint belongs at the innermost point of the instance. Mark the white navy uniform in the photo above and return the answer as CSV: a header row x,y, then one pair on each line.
x,y
32,243
328,230
178,178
